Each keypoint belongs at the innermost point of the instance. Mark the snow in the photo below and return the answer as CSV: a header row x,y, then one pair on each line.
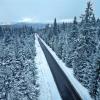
x,y
82,91
48,88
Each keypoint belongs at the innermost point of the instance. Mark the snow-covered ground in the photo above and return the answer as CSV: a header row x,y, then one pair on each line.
x,y
82,91
48,89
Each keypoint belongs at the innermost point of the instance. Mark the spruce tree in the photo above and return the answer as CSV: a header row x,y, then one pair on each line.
x,y
72,41
86,47
63,26
55,27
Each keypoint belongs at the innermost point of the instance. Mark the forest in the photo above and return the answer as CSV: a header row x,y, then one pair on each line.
x,y
78,45
18,73
25,72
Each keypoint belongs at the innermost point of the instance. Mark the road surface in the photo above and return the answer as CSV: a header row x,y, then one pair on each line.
x,y
64,86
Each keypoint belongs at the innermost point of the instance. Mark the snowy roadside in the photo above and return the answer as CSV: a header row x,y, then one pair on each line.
x,y
48,88
82,91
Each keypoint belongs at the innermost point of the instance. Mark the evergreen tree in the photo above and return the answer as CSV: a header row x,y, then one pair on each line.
x,y
55,27
72,42
86,47
63,26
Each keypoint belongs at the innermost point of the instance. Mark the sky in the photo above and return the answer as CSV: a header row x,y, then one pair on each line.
x,y
43,10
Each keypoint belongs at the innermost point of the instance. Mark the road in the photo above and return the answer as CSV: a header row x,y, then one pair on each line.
x,y
66,90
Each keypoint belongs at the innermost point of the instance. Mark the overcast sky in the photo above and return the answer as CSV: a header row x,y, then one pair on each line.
x,y
42,10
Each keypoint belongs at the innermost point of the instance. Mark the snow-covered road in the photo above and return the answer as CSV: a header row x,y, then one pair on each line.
x,y
82,91
48,89
65,87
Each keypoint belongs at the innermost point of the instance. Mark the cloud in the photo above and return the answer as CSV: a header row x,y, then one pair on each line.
x,y
28,20
66,20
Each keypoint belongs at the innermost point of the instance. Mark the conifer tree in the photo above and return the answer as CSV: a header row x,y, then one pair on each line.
x,y
86,47
55,27
72,41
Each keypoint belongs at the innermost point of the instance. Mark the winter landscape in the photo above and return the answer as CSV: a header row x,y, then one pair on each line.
x,y
49,50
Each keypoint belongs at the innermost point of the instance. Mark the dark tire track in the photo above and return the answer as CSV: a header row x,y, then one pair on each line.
x,y
64,86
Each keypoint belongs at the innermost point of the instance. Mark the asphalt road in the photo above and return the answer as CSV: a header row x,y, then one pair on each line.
x,y
64,86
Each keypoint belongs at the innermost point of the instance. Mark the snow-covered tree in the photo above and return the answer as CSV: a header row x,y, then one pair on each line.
x,y
18,73
72,42
55,27
86,48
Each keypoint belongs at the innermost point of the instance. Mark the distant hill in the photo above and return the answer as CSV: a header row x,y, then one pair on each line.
x,y
34,25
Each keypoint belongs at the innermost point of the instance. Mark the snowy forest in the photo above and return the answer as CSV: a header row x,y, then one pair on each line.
x,y
45,60
78,45
18,73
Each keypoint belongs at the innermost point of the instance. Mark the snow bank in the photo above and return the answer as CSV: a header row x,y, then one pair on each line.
x,y
48,89
82,91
